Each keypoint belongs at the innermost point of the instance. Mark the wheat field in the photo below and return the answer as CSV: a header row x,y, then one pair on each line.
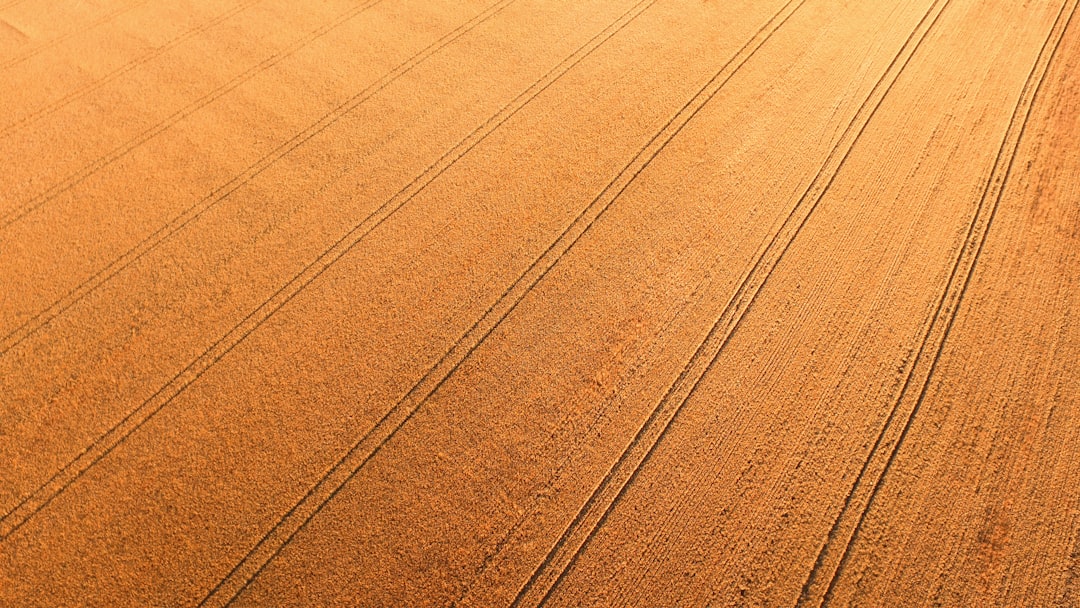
x,y
526,303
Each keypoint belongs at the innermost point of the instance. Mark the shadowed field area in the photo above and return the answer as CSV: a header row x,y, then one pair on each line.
x,y
522,303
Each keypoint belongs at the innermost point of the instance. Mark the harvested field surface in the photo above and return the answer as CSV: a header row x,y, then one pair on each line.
x,y
540,303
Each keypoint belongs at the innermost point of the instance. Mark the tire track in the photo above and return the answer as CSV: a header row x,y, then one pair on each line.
x,y
576,448
124,149
178,222
137,417
833,557
561,558
11,521
229,588
63,37
367,446
111,76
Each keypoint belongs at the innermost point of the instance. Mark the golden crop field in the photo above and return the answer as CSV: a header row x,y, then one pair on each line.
x,y
520,303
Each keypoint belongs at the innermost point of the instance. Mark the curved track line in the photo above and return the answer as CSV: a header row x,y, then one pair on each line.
x,y
552,571
124,149
856,506
135,418
61,38
90,87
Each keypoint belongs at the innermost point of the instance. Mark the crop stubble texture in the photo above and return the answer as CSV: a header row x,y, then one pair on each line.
x,y
538,302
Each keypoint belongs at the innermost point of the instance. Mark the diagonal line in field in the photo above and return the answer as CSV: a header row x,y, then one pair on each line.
x,y
157,51
597,508
137,417
834,553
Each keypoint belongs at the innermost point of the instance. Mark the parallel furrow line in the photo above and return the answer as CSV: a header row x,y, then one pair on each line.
x,y
177,223
572,452
137,417
60,39
834,555
150,133
124,69
563,555
364,449
285,529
